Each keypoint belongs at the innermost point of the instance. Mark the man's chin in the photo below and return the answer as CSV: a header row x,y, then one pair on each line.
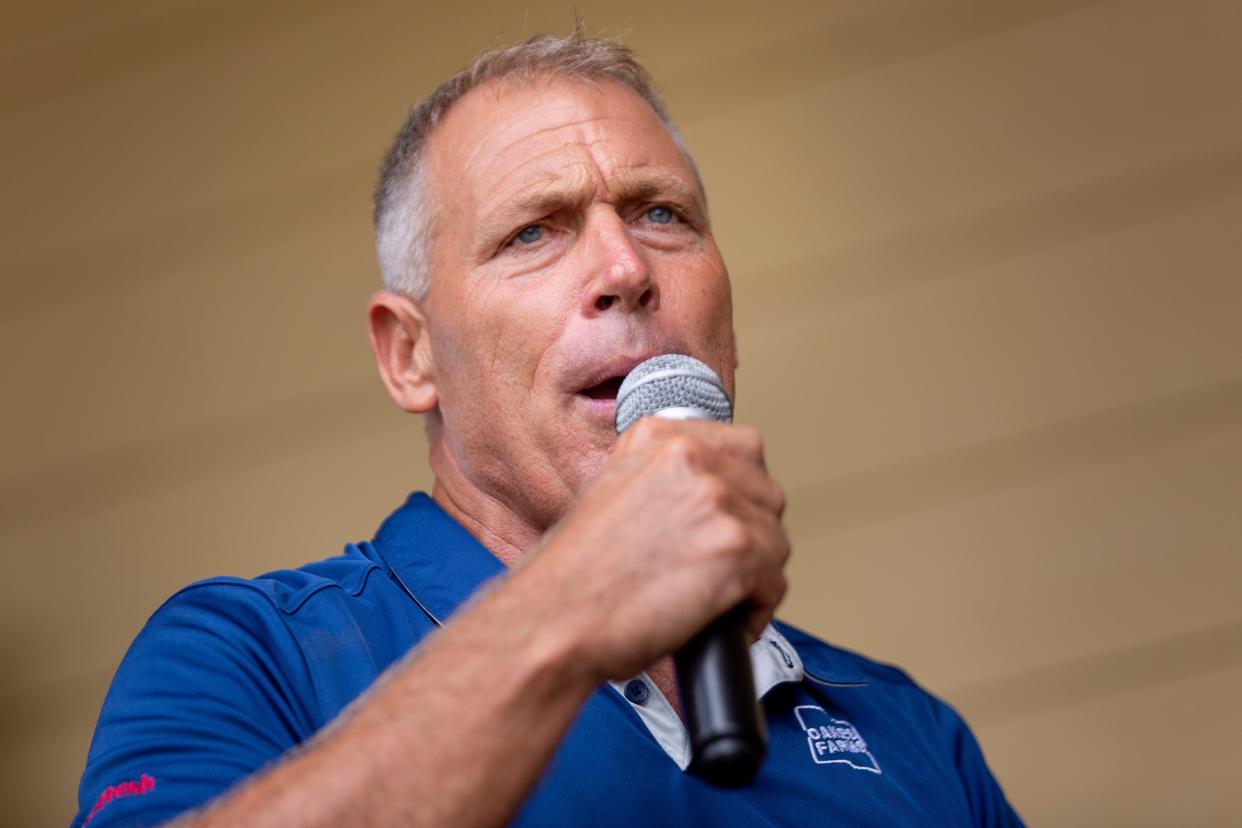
x,y
588,462
586,439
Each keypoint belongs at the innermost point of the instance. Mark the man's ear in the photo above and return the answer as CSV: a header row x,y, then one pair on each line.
x,y
401,344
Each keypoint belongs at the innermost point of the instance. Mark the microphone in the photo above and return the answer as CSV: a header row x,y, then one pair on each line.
x,y
728,735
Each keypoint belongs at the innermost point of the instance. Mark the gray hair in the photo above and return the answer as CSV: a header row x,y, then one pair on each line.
x,y
404,213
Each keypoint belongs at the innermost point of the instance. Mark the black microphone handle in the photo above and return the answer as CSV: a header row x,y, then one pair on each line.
x,y
727,731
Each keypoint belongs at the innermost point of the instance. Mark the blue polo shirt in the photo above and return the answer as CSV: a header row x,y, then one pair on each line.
x,y
229,674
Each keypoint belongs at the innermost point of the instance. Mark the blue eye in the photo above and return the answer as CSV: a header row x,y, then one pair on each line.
x,y
660,215
530,235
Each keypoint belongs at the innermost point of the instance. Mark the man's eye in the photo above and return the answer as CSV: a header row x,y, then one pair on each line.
x,y
660,215
530,235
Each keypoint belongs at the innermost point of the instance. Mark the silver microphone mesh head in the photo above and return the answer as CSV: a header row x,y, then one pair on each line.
x,y
675,385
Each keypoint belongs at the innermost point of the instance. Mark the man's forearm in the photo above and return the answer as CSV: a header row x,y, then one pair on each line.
x,y
681,527
433,742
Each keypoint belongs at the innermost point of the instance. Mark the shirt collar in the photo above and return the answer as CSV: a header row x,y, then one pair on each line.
x,y
821,662
441,565
433,557
773,661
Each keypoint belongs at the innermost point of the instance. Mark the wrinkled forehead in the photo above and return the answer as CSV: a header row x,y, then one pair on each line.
x,y
513,133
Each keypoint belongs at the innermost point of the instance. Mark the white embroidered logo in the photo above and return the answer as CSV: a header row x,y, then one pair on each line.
x,y
834,741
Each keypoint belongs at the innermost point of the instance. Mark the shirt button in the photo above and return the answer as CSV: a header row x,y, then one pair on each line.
x,y
636,691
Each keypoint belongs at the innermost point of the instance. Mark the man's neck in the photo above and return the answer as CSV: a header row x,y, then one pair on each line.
x,y
494,523
491,522
498,527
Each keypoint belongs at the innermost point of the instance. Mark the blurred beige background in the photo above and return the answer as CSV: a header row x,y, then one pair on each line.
x,y
987,264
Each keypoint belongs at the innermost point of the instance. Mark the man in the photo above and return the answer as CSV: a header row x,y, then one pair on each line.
x,y
500,650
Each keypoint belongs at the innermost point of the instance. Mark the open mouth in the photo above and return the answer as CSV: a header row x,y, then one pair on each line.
x,y
606,390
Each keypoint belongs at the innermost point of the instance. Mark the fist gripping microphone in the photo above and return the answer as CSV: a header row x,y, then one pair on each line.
x,y
727,731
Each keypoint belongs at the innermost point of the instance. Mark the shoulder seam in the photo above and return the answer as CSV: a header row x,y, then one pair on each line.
x,y
249,585
352,589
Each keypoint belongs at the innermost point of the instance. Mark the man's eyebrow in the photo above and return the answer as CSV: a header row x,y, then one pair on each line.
x,y
543,201
640,187
646,187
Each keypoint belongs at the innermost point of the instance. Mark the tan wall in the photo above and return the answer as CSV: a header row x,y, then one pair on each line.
x,y
987,265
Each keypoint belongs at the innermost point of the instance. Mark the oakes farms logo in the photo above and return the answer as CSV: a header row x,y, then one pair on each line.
x,y
834,741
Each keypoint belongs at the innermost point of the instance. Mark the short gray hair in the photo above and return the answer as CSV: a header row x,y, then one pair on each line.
x,y
404,214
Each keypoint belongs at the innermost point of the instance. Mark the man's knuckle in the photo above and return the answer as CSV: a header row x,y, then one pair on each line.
x,y
645,428
713,491
750,438
681,449
779,499
732,534
641,433
780,587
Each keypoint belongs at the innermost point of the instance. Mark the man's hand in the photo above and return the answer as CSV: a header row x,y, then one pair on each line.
x,y
682,524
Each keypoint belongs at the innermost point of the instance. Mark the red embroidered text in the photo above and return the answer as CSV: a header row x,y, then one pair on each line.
x,y
145,784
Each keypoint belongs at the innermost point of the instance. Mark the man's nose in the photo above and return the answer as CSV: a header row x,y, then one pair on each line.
x,y
621,277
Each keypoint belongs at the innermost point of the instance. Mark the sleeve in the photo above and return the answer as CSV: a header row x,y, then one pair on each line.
x,y
211,690
988,805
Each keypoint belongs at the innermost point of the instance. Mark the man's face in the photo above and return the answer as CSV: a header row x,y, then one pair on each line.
x,y
571,244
